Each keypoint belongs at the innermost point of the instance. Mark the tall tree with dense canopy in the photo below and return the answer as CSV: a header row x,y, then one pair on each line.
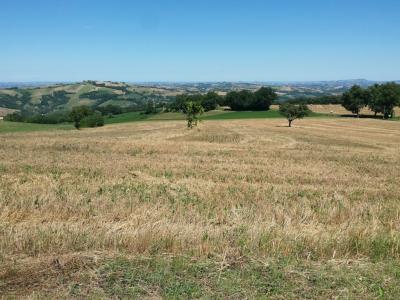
x,y
246,100
384,98
240,100
374,102
292,111
78,113
355,99
264,98
210,101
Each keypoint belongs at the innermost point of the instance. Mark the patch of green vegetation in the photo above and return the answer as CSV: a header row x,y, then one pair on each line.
x,y
127,117
168,116
182,278
27,127
270,114
244,115
181,116
211,115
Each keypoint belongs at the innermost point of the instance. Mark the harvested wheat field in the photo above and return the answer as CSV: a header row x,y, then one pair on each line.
x,y
235,209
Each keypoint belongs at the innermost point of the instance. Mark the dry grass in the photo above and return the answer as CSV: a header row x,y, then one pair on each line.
x,y
321,190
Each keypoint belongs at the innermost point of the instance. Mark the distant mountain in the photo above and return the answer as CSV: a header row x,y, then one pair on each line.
x,y
6,85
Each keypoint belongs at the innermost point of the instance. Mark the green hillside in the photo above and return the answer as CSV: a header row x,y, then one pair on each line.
x,y
43,100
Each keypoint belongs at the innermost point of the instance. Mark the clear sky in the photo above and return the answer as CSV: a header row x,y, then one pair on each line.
x,y
199,40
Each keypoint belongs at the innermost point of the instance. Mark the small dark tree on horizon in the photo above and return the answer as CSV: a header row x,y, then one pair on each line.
x,y
293,111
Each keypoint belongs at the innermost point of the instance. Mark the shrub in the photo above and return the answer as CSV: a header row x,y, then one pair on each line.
x,y
110,109
93,120
53,118
78,113
14,117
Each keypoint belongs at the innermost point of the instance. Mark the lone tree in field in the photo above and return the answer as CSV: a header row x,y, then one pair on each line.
x,y
355,99
292,111
78,113
193,111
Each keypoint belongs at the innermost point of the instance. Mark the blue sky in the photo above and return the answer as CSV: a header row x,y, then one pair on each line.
x,y
203,40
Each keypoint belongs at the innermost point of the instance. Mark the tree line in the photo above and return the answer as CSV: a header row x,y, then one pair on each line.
x,y
379,98
237,100
66,116
321,100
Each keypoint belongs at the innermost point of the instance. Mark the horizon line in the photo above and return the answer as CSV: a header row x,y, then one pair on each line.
x,y
198,81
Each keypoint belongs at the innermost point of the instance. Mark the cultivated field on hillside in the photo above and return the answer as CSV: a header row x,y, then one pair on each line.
x,y
251,205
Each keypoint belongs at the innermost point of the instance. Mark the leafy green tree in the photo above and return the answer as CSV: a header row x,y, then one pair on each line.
x,y
240,101
110,109
246,100
210,101
193,111
78,113
264,98
292,111
14,117
95,119
374,102
179,103
150,107
384,98
355,99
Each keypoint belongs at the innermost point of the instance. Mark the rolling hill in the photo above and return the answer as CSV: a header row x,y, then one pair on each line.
x,y
59,97
36,98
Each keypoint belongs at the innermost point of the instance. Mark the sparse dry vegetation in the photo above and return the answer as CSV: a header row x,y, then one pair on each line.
x,y
71,202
